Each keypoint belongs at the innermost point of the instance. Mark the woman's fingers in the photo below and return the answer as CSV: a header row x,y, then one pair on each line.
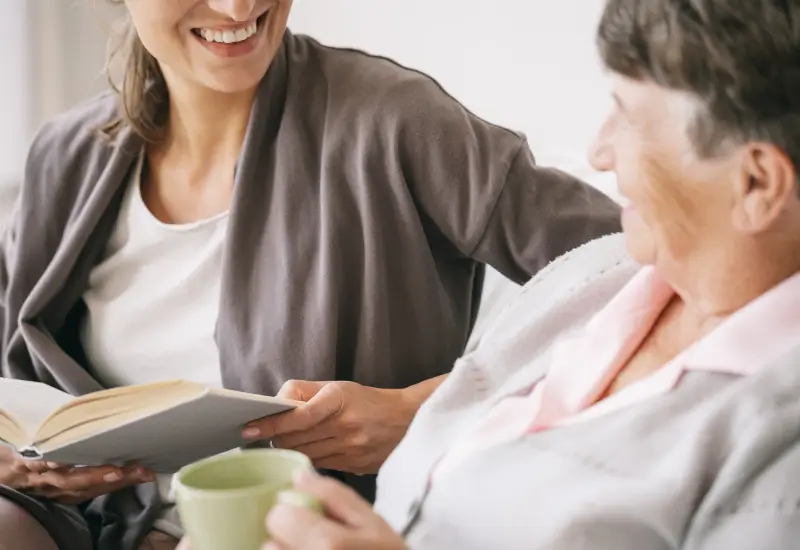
x,y
20,466
93,481
72,485
78,488
35,466
80,479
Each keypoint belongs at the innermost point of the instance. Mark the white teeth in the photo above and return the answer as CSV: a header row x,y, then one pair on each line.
x,y
229,36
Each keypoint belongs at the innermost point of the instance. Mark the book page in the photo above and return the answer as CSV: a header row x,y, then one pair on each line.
x,y
29,403
97,411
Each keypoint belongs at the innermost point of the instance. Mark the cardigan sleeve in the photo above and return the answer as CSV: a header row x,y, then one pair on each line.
x,y
7,251
18,269
480,186
539,215
47,201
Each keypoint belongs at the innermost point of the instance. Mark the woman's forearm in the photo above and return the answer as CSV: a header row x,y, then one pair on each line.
x,y
419,393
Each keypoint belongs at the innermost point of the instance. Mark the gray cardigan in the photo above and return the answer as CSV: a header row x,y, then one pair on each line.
x,y
712,465
366,200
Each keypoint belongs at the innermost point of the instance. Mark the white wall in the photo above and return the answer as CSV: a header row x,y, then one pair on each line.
x,y
51,57
528,64
14,107
70,52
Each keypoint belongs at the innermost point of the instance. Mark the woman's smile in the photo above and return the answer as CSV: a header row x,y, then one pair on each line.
x,y
233,40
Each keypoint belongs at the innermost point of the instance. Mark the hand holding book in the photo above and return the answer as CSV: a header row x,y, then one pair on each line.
x,y
162,426
66,484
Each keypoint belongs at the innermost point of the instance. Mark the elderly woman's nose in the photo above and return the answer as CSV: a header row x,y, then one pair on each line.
x,y
237,10
601,154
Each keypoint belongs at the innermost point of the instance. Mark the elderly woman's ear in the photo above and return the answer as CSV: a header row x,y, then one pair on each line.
x,y
766,190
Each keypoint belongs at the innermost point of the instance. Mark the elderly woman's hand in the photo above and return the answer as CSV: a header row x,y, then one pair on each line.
x,y
349,522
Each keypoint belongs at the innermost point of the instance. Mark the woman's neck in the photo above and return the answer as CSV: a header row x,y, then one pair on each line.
x,y
207,127
191,173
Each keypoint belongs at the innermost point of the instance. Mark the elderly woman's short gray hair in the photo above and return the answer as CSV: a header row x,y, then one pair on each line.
x,y
739,58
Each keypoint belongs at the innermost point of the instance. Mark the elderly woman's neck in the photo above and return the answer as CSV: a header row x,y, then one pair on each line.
x,y
205,125
715,293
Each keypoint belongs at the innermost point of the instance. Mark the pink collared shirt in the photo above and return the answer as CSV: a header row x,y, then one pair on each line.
x,y
584,366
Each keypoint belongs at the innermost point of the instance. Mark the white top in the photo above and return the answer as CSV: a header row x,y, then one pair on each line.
x,y
152,305
153,300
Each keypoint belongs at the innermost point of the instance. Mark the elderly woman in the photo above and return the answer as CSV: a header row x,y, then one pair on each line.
x,y
644,390
253,207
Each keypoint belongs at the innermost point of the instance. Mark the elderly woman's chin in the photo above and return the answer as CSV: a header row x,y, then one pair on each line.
x,y
639,239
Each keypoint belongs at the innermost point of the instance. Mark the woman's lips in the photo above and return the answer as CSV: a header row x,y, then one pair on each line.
x,y
236,49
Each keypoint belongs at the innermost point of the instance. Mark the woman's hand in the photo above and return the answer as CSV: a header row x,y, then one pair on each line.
x,y
341,425
66,484
349,522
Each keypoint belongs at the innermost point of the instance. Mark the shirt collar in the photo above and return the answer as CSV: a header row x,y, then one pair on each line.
x,y
749,340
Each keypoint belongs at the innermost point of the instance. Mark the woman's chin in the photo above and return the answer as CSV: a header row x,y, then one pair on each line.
x,y
234,78
230,83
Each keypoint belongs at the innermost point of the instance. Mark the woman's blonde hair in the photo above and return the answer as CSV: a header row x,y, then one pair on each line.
x,y
136,77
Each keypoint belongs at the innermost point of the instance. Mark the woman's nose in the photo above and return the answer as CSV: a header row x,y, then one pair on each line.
x,y
237,10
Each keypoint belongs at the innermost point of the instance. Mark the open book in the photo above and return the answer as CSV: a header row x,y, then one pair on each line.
x,y
162,426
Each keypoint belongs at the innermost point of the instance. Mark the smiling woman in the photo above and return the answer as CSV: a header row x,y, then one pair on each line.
x,y
261,212
169,45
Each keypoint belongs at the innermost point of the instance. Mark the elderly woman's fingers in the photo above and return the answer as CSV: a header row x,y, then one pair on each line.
x,y
298,528
339,501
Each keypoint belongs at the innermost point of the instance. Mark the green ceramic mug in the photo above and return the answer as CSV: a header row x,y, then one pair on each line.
x,y
223,501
